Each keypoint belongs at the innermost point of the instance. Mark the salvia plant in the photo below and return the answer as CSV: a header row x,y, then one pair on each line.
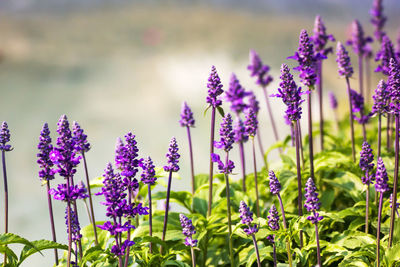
x,y
346,221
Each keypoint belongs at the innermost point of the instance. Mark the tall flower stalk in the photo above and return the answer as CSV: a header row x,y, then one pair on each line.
x,y
380,107
188,230
273,223
367,166
291,96
187,121
275,188
172,166
246,217
226,141
240,137
378,19
214,86
82,146
381,186
357,102
346,70
320,39
312,205
46,174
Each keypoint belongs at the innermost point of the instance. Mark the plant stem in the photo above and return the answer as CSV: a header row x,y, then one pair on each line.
x,y
301,145
3,153
271,117
389,132
242,160
150,217
318,248
285,227
379,147
193,257
321,111
191,159
255,177
210,179
299,198
310,135
228,204
353,150
395,181
53,229
292,133
368,78
361,74
367,209
77,218
364,131
256,249
274,253
260,146
166,210
378,231
69,224
90,199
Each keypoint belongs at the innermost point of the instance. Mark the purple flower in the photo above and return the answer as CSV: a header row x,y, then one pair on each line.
x,y
80,139
75,192
381,184
187,119
343,60
358,40
4,137
384,55
366,163
258,70
188,230
221,166
394,86
76,235
226,133
290,94
306,59
236,94
332,100
214,89
273,218
274,185
246,217
378,19
397,48
391,201
357,101
148,174
320,38
253,102
119,153
251,122
46,165
381,98
172,157
239,130
312,201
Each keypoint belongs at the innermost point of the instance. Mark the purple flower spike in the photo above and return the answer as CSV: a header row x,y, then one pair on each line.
x,y
397,47
378,19
148,174
357,101
221,166
273,218
381,184
306,59
258,70
239,130
253,102
320,38
358,41
214,86
381,98
130,162
46,165
274,185
4,137
80,139
172,156
290,94
332,100
384,55
394,86
188,230
235,95
366,163
343,60
187,119
75,192
226,133
246,217
251,123
312,201
76,235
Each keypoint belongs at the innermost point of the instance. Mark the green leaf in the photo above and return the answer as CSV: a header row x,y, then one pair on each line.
x,y
221,111
96,182
37,246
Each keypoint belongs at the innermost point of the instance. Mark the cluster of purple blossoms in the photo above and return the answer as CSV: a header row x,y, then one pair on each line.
x,y
76,229
188,230
221,166
273,222
62,193
4,137
81,143
343,60
46,172
320,38
378,19
187,119
366,163
253,102
246,217
227,136
172,157
257,69
332,100
251,122
381,183
274,184
357,103
290,94
214,86
397,47
394,86
384,55
381,99
312,201
239,131
126,159
236,94
358,41
148,174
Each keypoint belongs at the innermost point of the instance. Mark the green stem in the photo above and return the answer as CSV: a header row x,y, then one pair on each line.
x,y
228,202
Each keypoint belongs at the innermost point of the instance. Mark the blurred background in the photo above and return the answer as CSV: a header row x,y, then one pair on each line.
x,y
124,65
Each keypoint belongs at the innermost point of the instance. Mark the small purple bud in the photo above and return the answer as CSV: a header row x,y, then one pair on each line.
x,y
343,60
274,185
172,157
187,119
381,184
214,86
4,137
332,100
273,218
